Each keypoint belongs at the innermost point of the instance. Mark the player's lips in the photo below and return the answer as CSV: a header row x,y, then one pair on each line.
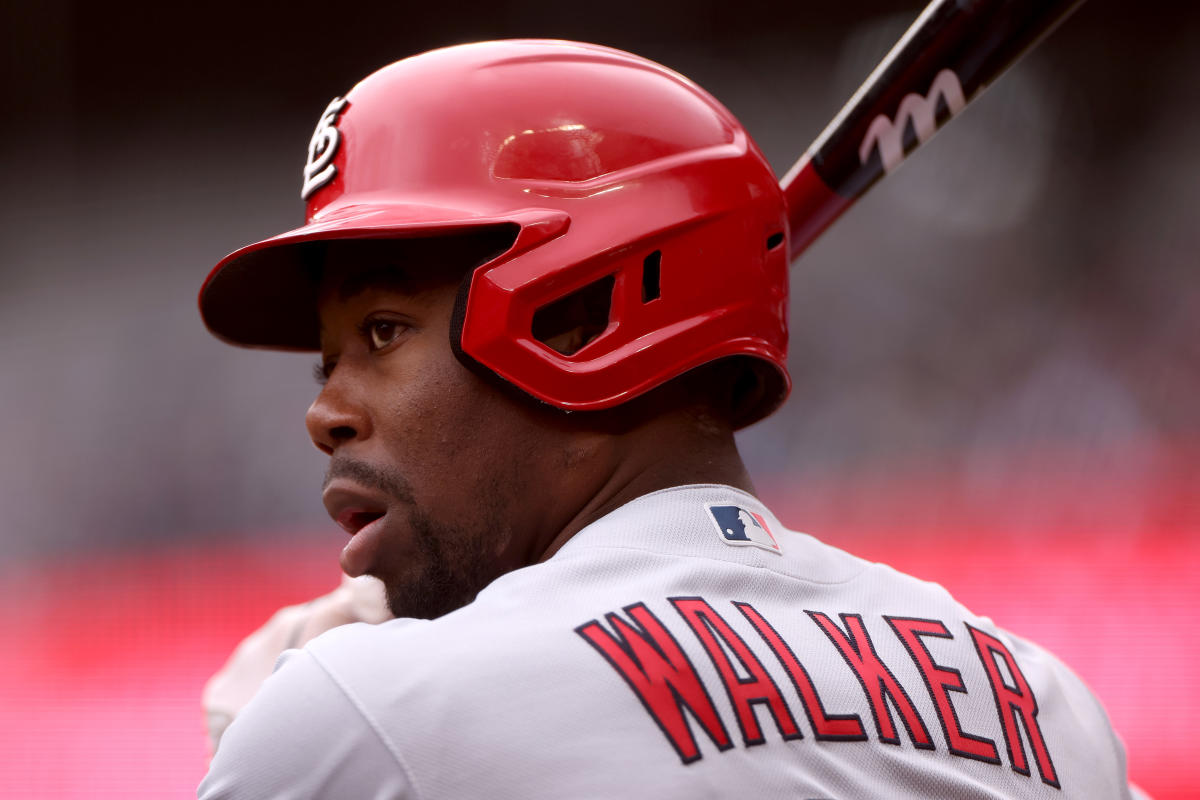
x,y
354,519
361,512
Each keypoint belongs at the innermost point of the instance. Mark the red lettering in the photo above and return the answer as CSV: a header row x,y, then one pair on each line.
x,y
744,693
877,680
1014,704
826,727
946,680
647,656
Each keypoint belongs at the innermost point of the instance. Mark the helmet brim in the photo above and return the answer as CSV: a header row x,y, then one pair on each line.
x,y
264,295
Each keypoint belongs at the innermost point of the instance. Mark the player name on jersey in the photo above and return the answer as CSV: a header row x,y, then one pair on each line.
x,y
644,651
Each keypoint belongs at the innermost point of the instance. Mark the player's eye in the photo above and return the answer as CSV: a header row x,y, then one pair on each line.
x,y
381,332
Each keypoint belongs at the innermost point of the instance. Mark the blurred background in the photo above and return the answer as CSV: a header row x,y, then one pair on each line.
x,y
996,354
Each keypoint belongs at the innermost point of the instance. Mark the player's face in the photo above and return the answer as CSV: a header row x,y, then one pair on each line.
x,y
431,468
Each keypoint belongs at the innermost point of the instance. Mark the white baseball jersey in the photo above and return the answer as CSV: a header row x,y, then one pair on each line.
x,y
684,646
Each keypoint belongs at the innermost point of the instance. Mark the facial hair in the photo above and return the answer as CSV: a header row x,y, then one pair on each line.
x,y
451,564
454,565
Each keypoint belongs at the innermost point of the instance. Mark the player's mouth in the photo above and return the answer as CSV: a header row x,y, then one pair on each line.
x,y
354,520
361,513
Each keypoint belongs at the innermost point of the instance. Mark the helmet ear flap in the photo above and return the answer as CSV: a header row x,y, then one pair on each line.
x,y
506,237
569,323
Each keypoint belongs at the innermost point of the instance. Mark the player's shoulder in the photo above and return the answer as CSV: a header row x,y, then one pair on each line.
x,y
504,627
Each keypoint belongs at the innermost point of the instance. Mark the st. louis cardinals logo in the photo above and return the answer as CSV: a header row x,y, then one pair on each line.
x,y
921,111
319,170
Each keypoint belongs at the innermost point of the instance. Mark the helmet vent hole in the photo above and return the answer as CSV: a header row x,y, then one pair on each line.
x,y
774,240
650,275
570,322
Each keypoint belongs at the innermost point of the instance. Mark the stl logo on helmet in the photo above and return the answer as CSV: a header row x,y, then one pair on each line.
x,y
740,527
319,169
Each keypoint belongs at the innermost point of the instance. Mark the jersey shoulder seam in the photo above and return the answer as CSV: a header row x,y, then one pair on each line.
x,y
370,720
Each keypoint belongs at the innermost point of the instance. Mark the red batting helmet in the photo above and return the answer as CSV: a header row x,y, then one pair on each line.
x,y
627,188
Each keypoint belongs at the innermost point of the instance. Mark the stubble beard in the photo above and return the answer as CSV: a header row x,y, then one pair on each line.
x,y
450,563
453,565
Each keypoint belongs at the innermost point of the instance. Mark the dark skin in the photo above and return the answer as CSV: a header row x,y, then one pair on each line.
x,y
448,480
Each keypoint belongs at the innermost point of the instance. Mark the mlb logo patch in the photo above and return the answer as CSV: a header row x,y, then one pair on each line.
x,y
740,527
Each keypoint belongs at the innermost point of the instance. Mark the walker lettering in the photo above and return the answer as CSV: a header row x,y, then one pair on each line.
x,y
656,667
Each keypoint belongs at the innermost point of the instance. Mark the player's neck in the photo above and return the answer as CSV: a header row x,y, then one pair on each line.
x,y
673,450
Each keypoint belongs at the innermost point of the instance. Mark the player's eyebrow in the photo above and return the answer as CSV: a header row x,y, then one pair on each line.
x,y
390,278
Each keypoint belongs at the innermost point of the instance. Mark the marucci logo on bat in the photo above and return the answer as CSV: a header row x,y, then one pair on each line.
x,y
319,169
921,111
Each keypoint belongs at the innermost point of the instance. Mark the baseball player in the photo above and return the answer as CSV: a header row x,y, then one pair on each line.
x,y
548,282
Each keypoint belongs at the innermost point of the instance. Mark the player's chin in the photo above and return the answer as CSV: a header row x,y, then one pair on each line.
x,y
433,579
420,599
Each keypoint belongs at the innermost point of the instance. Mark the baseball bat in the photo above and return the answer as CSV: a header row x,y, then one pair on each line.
x,y
943,62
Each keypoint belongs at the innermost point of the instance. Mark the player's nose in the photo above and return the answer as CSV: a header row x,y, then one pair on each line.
x,y
336,418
